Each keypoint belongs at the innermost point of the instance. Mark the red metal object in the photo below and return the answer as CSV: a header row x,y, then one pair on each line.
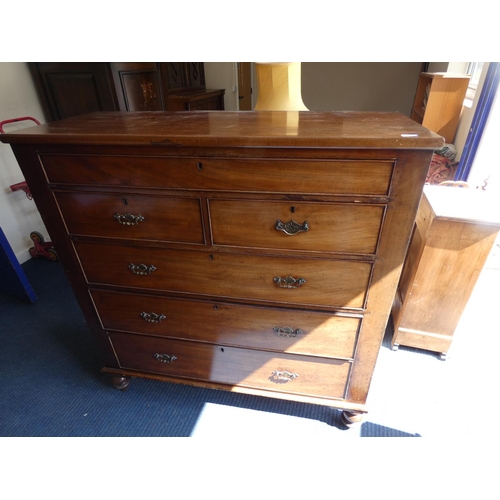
x,y
13,120
41,247
22,186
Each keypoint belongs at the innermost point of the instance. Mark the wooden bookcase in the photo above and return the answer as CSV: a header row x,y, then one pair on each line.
x,y
438,102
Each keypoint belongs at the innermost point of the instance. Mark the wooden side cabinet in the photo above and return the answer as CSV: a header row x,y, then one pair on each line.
x,y
196,100
438,102
454,232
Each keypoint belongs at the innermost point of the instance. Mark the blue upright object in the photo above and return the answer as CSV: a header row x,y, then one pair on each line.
x,y
13,281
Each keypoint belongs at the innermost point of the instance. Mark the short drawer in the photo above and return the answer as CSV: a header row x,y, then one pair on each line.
x,y
318,282
132,217
257,174
349,228
234,366
282,330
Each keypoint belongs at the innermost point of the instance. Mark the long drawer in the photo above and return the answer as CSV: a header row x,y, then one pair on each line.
x,y
273,175
324,227
230,365
329,283
283,330
132,217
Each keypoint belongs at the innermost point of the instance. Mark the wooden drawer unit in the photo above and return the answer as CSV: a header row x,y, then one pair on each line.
x,y
128,216
305,375
274,175
256,252
314,282
322,227
277,329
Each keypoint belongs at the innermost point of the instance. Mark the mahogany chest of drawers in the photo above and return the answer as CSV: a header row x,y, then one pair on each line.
x,y
250,251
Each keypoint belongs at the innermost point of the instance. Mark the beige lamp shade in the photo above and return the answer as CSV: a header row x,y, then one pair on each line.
x,y
279,86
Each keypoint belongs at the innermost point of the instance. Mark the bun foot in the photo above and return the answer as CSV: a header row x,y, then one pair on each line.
x,y
121,383
352,418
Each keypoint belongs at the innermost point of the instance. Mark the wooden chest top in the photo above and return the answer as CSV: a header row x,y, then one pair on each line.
x,y
307,129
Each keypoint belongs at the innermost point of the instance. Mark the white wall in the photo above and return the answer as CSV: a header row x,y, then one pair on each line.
x,y
330,86
346,86
18,215
223,75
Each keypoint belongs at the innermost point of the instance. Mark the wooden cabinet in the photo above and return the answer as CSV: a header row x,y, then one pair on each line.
x,y
71,89
438,102
252,252
193,100
453,235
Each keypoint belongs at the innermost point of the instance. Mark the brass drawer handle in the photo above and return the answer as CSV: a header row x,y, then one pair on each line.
x,y
152,317
128,219
284,375
291,227
141,269
289,282
164,358
287,331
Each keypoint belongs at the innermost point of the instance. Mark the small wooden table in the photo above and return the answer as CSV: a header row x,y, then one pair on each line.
x,y
454,232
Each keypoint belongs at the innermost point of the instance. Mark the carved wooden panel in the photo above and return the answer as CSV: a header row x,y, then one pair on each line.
x,y
138,86
196,74
175,75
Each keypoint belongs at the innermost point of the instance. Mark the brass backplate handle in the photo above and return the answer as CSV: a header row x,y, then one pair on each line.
x,y
128,219
289,282
284,375
164,358
291,227
286,331
152,317
141,269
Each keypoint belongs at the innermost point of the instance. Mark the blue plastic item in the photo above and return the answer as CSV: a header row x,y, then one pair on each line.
x,y
13,281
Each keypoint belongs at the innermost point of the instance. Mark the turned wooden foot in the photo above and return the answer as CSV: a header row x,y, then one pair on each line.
x,y
352,418
120,382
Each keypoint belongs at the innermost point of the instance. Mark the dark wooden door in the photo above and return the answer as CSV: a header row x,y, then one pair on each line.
x,y
71,89
244,86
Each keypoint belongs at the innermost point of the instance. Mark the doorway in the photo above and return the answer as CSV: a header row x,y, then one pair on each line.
x,y
245,86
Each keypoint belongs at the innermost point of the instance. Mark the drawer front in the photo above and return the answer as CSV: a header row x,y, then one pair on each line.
x,y
269,175
283,330
230,365
349,228
132,217
330,283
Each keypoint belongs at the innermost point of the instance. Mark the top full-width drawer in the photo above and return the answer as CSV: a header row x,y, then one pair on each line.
x,y
251,175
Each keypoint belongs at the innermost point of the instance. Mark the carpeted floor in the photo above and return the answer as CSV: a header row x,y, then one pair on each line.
x,y
51,383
